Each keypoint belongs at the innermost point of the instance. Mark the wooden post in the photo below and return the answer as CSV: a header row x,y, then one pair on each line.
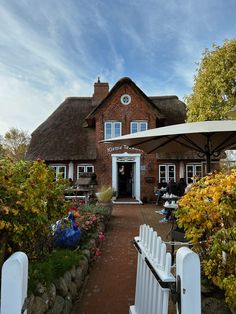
x,y
188,269
14,283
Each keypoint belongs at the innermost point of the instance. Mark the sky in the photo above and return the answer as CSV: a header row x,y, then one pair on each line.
x,y
54,49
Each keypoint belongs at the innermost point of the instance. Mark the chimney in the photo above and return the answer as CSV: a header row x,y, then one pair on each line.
x,y
101,90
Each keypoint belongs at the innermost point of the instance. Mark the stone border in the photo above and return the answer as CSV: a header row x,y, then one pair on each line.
x,y
60,296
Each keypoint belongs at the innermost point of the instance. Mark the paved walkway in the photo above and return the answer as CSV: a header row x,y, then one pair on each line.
x,y
111,285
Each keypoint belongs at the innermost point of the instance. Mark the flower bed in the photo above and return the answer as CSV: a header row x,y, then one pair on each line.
x,y
66,269
31,201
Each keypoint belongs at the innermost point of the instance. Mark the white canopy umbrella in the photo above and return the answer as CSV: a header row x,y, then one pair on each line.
x,y
208,138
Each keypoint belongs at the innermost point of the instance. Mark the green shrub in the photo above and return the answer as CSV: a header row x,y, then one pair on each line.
x,y
52,267
97,209
30,201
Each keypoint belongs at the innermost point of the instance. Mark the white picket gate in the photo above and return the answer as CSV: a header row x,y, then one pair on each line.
x,y
154,279
14,284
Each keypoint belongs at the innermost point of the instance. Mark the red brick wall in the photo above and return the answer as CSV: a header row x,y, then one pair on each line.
x,y
112,109
138,109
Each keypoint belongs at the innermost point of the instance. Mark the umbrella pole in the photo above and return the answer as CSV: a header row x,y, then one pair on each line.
x,y
208,161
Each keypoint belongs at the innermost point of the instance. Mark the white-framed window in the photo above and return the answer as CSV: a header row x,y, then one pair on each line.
x,y
193,170
167,172
59,170
112,129
138,126
82,168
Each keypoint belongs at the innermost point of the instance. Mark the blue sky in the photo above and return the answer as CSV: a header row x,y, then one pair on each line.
x,y
52,49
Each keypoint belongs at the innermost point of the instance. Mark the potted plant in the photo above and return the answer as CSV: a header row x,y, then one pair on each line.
x,y
104,197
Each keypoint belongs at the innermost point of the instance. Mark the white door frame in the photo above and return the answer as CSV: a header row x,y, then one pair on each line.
x,y
125,157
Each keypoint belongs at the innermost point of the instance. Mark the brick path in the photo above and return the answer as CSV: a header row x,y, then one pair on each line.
x,y
111,285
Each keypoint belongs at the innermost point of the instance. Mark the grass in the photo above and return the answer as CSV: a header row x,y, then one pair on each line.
x,y
52,267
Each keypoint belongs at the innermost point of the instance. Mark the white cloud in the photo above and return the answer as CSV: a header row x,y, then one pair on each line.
x,y
25,107
50,50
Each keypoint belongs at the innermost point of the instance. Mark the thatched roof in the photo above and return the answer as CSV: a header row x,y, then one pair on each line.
x,y
124,80
62,136
171,107
69,133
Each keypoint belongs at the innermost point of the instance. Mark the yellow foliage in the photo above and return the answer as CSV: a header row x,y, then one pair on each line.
x,y
208,215
30,202
213,91
2,224
15,211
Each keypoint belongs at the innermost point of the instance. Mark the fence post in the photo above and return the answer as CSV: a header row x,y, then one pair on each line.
x,y
154,275
188,269
14,283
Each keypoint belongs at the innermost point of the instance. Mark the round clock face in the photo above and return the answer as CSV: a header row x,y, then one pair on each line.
x,y
125,99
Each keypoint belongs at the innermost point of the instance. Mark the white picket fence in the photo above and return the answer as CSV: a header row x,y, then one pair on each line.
x,y
154,279
14,284
153,283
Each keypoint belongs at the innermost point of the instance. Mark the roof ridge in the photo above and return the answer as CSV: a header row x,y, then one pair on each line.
x,y
78,97
164,97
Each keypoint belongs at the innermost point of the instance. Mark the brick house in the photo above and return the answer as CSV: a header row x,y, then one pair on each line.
x,y
69,139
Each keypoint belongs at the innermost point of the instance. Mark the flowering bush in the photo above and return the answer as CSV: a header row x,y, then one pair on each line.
x,y
88,226
208,215
30,200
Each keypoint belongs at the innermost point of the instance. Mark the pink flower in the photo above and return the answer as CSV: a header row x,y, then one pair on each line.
x,y
84,227
97,252
101,237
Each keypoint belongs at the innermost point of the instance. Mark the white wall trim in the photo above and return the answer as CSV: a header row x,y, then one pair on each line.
x,y
135,158
70,171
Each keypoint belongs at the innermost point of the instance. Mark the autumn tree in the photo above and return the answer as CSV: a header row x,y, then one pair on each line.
x,y
1,148
214,90
15,144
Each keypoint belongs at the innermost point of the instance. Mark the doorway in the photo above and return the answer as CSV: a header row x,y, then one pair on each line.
x,y
125,179
122,183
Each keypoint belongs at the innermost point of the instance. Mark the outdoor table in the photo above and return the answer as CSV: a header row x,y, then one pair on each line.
x,y
170,206
170,197
176,234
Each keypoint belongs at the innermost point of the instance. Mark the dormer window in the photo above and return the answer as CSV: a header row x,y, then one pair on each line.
x,y
138,126
112,129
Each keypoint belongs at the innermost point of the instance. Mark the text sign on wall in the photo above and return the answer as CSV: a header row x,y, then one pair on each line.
x,y
122,147
120,159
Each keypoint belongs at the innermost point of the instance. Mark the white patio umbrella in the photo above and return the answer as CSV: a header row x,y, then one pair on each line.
x,y
208,138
